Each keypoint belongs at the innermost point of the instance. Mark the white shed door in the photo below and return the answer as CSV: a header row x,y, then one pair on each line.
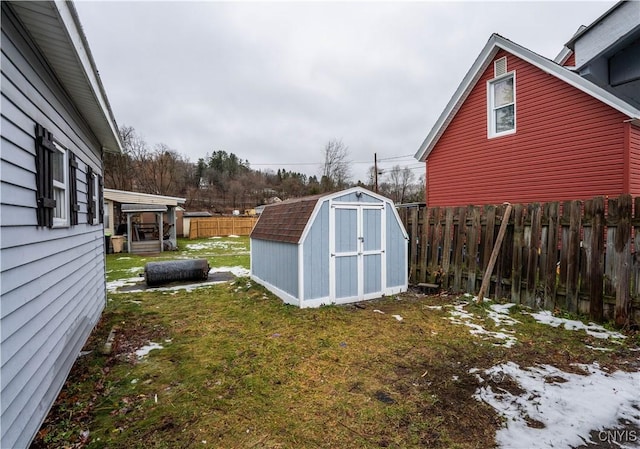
x,y
358,254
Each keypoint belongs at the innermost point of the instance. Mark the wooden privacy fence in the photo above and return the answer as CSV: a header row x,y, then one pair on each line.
x,y
220,226
580,256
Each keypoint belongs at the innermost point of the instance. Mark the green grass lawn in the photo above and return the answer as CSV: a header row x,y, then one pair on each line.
x,y
240,369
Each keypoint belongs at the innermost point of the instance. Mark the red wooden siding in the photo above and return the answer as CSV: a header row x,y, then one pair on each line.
x,y
571,61
567,145
633,139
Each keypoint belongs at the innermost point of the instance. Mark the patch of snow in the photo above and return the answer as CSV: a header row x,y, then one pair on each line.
x,y
113,286
397,317
562,411
237,271
124,258
593,329
143,351
216,244
599,349
499,313
233,236
434,307
378,311
461,316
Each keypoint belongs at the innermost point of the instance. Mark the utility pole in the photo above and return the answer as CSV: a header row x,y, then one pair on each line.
x,y
375,169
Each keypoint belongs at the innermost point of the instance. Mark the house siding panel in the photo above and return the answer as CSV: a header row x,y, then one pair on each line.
x,y
634,159
316,256
52,280
567,145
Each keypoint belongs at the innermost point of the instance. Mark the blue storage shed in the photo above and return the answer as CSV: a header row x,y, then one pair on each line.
x,y
332,248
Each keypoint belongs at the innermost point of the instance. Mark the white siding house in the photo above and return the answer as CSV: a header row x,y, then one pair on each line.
x,y
334,248
56,123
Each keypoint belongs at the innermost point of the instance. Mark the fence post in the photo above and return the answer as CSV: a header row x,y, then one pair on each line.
x,y
596,259
623,266
635,264
458,248
472,248
551,263
573,256
533,255
518,247
446,247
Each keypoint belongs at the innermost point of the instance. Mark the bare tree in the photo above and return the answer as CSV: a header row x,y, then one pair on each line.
x,y
120,168
399,180
336,170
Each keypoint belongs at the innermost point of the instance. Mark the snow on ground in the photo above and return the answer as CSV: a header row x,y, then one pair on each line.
x,y
237,271
560,409
593,329
499,314
216,244
143,351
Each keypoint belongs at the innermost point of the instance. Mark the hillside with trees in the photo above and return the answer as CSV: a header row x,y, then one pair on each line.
x,y
221,181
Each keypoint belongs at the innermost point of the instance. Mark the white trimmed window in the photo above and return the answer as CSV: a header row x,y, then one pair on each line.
x,y
502,105
95,198
60,172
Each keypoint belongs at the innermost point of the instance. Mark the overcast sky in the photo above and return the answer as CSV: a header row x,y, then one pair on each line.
x,y
274,82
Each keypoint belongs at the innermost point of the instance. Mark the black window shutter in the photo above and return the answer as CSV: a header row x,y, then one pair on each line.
x,y
100,199
73,188
44,177
91,212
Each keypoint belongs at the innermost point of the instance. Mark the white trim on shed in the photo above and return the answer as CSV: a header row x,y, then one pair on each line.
x,y
336,248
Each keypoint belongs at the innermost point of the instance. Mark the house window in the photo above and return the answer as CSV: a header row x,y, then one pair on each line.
x,y
95,199
60,174
502,105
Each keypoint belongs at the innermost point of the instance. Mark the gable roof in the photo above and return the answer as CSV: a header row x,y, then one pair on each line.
x,y
285,221
495,44
55,28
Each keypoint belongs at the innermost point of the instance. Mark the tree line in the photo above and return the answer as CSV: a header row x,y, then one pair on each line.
x,y
221,181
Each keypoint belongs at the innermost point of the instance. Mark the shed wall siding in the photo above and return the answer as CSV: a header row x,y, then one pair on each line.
x,y
316,256
567,145
276,263
634,159
52,280
396,251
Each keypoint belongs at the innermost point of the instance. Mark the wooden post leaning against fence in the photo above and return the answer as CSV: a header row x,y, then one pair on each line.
x,y
623,259
494,254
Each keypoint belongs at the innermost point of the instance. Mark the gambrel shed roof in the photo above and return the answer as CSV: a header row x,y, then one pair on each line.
x,y
285,221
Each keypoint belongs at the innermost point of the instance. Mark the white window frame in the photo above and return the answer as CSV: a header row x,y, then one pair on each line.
x,y
95,200
63,209
491,122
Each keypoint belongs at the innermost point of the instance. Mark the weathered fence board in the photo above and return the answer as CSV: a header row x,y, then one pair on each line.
x,y
582,257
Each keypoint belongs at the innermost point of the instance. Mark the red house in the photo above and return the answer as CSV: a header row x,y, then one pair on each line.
x,y
523,128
